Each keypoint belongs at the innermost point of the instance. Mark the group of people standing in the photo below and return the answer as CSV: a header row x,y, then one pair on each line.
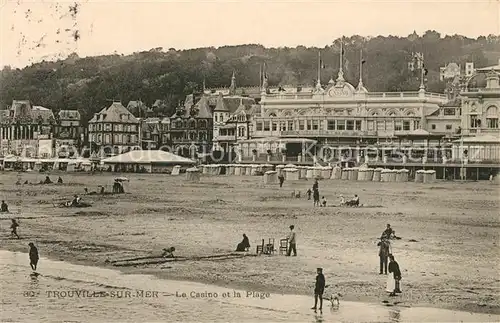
x,y
387,261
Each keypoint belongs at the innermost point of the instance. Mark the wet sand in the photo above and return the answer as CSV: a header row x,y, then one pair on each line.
x,y
448,252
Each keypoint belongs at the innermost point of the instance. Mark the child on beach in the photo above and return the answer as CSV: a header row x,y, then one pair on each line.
x,y
323,202
14,226
309,192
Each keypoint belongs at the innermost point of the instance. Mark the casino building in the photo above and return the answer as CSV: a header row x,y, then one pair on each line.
x,y
339,114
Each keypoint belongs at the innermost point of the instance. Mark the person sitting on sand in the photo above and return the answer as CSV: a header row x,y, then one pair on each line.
x,y
323,202
309,193
33,256
354,201
4,207
342,200
26,182
244,245
86,191
102,190
168,252
59,180
76,200
47,180
14,226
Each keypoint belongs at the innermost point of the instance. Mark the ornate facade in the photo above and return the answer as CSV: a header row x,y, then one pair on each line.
x,y
191,127
114,130
69,132
155,133
23,126
340,114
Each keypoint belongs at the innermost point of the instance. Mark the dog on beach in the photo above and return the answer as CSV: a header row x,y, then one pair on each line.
x,y
334,299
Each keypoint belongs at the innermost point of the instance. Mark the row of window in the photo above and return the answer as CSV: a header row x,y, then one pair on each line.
x,y
117,139
372,125
113,127
230,132
491,123
191,136
179,124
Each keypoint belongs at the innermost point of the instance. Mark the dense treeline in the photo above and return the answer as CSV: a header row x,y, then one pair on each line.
x,y
88,83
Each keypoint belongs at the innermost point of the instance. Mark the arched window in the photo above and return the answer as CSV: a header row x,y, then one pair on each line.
x,y
202,124
192,136
272,114
492,117
192,124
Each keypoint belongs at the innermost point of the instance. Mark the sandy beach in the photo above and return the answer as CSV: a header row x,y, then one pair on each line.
x,y
448,252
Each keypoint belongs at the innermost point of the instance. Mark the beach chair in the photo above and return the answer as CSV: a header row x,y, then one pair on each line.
x,y
269,247
283,248
260,248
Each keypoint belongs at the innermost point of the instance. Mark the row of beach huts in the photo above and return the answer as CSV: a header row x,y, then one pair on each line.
x,y
291,172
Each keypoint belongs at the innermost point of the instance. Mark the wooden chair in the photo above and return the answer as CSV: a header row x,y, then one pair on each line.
x,y
269,247
260,248
283,246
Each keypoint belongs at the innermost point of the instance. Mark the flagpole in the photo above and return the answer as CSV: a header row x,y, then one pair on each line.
x,y
319,67
260,77
341,52
422,69
361,65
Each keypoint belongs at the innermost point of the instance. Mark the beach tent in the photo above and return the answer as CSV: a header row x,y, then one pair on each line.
x,y
151,160
291,174
270,177
193,174
336,173
176,170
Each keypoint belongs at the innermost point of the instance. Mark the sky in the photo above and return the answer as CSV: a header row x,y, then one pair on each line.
x,y
31,31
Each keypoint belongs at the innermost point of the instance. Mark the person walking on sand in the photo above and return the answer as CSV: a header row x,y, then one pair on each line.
x,y
281,178
319,288
292,242
394,269
33,256
14,227
309,192
383,254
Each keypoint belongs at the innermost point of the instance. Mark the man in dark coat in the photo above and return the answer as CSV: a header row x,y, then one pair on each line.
x,y
319,289
383,254
394,269
33,256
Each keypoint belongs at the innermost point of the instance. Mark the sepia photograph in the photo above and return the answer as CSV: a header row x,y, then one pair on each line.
x,y
249,161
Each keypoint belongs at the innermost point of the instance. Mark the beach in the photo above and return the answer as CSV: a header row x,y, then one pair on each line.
x,y
448,250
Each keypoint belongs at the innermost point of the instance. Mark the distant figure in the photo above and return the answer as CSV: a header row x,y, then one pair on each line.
x,y
383,254
76,200
102,190
14,227
316,198
47,180
309,193
354,201
315,185
292,241
33,256
394,269
86,191
281,178
168,252
26,182
388,233
244,245
4,207
342,200
118,187
319,288
59,180
323,202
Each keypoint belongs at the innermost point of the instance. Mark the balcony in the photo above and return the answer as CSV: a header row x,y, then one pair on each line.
x,y
315,133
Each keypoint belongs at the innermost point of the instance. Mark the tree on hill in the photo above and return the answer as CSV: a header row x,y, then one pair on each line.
x,y
87,83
